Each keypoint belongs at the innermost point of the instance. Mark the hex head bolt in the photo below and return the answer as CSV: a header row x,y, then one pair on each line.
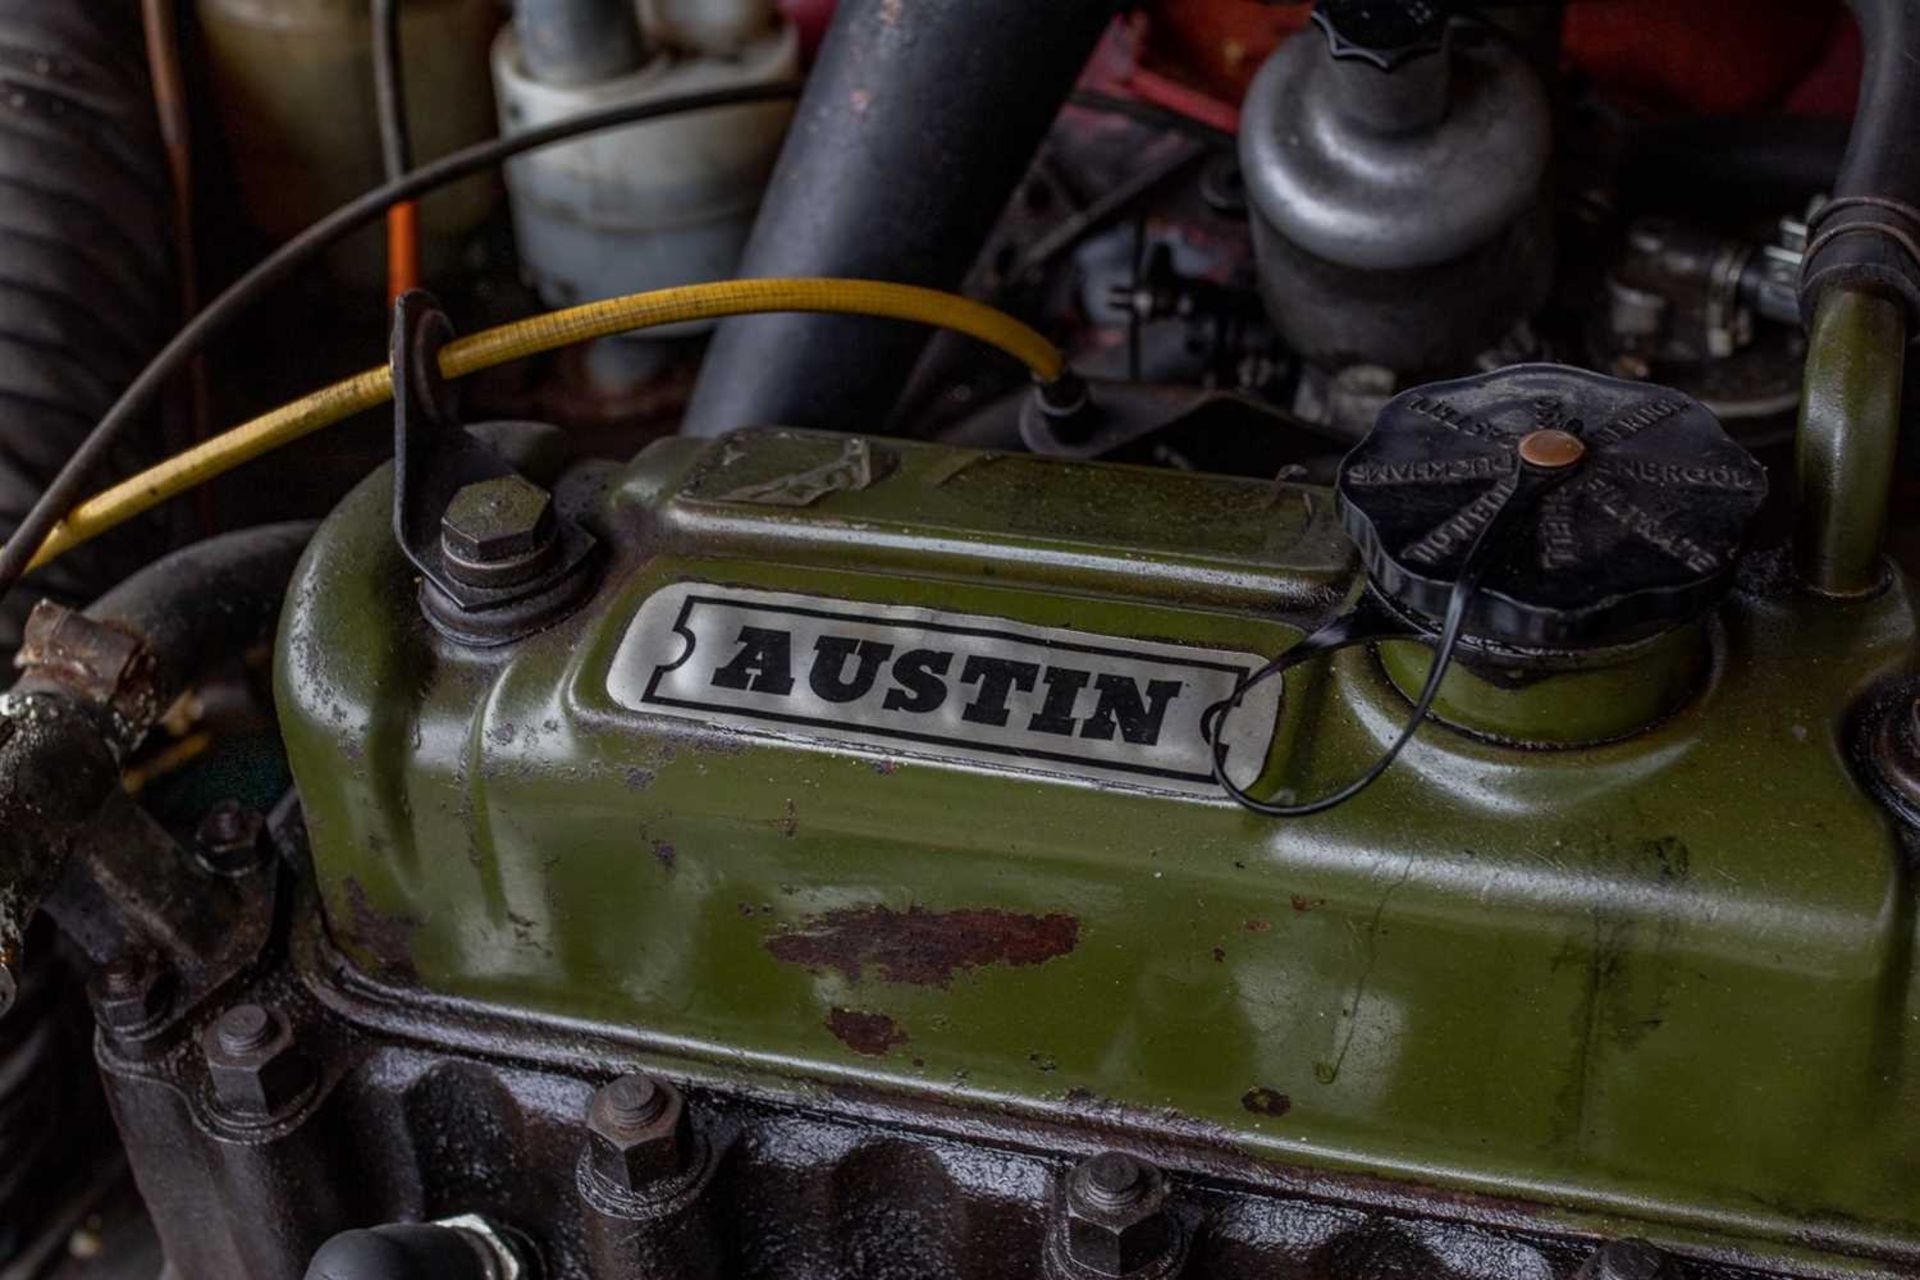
x,y
499,532
638,1135
256,1070
232,839
1116,1219
131,995
244,1028
646,1182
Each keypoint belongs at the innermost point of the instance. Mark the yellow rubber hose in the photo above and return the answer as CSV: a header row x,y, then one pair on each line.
x,y
532,336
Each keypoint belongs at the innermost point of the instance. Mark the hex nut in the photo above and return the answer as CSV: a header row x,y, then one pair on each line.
x,y
256,1069
1117,1220
637,1133
232,839
499,521
131,995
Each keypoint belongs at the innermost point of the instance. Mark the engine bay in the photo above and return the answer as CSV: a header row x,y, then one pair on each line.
x,y
958,638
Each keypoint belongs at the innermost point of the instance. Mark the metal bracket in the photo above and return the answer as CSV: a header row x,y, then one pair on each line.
x,y
434,458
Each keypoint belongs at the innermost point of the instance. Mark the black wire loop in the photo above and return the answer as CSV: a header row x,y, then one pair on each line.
x,y
1525,485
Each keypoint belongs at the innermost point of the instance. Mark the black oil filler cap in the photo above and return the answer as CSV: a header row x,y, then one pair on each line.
x,y
1640,535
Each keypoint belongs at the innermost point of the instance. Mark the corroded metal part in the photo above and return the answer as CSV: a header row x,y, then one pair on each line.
x,y
423,1101
93,685
103,664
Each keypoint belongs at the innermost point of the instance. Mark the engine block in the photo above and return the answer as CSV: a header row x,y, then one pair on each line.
x,y
864,784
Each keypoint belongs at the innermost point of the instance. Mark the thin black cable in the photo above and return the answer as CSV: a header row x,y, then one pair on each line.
x,y
69,486
1529,483
390,91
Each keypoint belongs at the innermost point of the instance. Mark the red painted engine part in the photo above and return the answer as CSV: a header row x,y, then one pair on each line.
x,y
1710,57
1694,56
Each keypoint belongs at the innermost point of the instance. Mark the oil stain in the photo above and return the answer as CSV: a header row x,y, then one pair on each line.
x,y
1624,950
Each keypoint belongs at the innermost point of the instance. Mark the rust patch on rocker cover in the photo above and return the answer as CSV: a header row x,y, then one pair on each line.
x,y
872,1034
1263,1101
922,947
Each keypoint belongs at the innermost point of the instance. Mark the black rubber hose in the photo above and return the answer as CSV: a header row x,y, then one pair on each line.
x,y
402,1251
194,607
86,296
205,602
1868,236
86,273
187,611
1714,162
197,606
917,123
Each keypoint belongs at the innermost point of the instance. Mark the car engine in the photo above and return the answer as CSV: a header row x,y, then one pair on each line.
x,y
710,639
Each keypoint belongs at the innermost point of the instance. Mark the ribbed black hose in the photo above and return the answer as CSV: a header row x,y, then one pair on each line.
x,y
86,297
86,291
1869,236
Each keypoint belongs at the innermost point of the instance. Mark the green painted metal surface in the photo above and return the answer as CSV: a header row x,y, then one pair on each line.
x,y
1669,978
1579,701
1848,436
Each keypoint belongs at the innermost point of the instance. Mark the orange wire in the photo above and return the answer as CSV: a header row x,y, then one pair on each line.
x,y
403,249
